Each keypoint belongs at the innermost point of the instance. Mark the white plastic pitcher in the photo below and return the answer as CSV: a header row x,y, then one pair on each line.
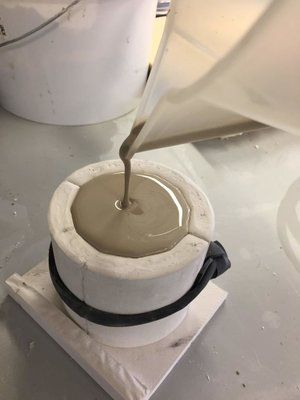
x,y
87,66
223,67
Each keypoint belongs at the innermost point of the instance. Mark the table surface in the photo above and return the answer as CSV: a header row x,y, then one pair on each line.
x,y
251,349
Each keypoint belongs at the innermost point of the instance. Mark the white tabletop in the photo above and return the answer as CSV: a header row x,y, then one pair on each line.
x,y
251,348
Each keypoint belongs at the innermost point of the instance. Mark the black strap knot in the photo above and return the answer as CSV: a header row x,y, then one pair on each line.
x,y
219,257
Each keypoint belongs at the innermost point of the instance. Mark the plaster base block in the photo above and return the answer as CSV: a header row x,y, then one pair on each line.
x,y
125,373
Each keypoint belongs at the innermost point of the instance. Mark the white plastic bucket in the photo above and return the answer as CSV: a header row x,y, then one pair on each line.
x,y
87,66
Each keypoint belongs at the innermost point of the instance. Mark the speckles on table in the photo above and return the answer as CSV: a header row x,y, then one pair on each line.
x,y
237,373
2,30
180,342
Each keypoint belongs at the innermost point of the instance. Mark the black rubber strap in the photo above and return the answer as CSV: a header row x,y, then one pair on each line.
x,y
216,262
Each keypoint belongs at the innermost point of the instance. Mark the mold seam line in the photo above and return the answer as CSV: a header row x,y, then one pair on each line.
x,y
83,270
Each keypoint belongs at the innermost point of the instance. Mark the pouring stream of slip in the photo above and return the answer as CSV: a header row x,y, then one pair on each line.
x,y
126,153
